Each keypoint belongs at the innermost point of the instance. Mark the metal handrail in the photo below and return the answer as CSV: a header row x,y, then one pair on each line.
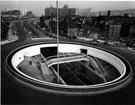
x,y
55,56
68,59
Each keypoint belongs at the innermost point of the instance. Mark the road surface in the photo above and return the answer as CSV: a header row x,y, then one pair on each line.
x,y
15,93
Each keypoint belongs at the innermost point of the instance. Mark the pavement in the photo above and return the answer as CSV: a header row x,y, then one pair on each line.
x,y
131,49
11,37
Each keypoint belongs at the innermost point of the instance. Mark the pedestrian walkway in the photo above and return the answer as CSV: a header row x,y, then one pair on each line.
x,y
11,37
131,49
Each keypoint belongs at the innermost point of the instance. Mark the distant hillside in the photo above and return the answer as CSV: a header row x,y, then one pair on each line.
x,y
116,12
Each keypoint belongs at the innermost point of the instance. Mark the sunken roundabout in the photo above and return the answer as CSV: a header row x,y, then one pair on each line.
x,y
83,69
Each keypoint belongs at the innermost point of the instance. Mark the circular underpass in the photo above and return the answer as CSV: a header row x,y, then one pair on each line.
x,y
82,69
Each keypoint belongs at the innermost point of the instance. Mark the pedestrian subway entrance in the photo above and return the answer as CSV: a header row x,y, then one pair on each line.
x,y
80,67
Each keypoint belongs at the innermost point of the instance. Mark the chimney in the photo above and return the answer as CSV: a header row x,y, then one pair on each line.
x,y
108,14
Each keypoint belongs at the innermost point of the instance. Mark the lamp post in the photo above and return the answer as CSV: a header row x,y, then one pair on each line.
x,y
57,40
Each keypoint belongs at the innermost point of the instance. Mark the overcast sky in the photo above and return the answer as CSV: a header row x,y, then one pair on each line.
x,y
38,6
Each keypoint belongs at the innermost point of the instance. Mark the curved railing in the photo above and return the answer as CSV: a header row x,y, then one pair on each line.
x,y
69,48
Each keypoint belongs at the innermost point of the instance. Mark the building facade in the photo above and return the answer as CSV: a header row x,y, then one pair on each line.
x,y
11,13
83,12
65,11
29,14
114,31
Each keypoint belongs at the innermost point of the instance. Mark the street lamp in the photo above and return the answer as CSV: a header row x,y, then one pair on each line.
x,y
57,40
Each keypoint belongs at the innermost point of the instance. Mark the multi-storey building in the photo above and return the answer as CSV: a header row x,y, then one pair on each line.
x,y
65,11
